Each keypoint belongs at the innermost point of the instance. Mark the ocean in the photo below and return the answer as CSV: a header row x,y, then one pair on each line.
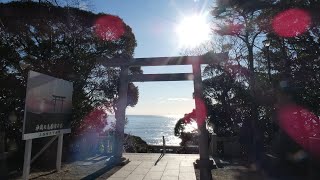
x,y
151,128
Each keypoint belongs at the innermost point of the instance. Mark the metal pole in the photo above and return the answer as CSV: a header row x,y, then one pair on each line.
x,y
120,122
59,152
205,165
27,158
164,145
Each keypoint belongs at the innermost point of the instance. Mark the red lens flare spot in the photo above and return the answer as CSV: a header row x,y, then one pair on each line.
x,y
302,126
291,23
109,28
189,117
202,110
95,120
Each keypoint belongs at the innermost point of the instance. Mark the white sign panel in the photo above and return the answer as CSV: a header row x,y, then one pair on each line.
x,y
48,108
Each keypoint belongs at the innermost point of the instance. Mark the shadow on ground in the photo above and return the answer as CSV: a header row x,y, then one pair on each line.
x,y
232,169
238,170
160,157
95,167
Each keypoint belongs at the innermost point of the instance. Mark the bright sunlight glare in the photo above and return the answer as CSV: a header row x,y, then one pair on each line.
x,y
192,31
191,127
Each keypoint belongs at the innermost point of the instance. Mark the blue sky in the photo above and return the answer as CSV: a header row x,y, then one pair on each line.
x,y
153,22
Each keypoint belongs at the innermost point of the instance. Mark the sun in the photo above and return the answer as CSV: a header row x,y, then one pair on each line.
x,y
193,31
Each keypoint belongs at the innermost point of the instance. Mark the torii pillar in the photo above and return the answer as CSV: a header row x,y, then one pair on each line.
x,y
122,105
204,163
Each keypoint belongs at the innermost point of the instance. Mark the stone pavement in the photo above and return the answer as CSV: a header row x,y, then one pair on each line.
x,y
169,167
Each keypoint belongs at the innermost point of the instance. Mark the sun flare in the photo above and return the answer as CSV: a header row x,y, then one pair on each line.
x,y
192,31
191,127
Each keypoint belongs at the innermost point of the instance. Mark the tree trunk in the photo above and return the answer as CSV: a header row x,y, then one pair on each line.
x,y
254,106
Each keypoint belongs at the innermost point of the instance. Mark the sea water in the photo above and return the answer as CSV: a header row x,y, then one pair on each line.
x,y
151,128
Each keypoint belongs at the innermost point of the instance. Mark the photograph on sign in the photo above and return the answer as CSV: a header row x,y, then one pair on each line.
x,y
48,106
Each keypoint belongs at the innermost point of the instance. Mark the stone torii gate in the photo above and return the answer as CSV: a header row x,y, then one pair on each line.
x,y
204,163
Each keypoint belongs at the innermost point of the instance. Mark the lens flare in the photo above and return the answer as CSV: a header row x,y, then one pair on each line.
x,y
96,120
302,126
291,23
199,118
109,28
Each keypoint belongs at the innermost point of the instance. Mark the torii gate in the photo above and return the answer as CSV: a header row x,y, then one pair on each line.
x,y
204,163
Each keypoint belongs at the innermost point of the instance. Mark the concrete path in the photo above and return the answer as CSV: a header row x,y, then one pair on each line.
x,y
170,167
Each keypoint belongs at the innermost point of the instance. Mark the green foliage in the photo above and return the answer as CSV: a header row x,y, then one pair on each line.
x,y
227,101
135,144
101,148
60,42
187,138
179,127
235,98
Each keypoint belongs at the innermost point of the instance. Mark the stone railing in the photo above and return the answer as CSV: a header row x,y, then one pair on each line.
x,y
225,146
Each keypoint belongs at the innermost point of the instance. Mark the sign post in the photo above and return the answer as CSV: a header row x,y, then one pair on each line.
x,y
47,113
27,159
59,152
